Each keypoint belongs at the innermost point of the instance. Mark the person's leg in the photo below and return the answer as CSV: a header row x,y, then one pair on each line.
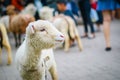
x,y
88,18
113,14
106,28
85,24
82,9
100,21
98,27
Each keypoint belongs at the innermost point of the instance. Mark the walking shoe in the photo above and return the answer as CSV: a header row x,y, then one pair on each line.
x,y
84,36
108,48
92,36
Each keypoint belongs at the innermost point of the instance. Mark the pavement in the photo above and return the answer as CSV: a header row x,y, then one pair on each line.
x,y
93,63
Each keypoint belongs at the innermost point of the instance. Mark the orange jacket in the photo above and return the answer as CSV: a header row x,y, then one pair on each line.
x,y
17,4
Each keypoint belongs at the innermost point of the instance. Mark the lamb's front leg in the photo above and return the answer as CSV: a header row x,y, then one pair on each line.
x,y
42,77
78,40
8,48
53,72
67,44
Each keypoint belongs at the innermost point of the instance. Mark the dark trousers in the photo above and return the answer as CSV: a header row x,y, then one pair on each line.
x,y
85,9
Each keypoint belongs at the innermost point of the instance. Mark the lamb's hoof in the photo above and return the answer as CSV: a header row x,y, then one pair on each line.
x,y
81,49
0,62
9,62
19,44
16,45
66,50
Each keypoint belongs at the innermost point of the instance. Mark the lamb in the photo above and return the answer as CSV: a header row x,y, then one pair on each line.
x,y
5,20
64,24
35,56
18,22
29,9
4,42
18,25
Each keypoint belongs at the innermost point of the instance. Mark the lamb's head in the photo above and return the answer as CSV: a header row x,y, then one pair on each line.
x,y
11,10
42,34
29,9
46,13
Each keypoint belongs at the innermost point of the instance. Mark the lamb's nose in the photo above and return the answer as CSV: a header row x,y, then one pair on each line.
x,y
62,36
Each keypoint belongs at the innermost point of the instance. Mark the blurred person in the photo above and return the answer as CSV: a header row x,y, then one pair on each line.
x,y
2,8
72,6
107,7
19,4
6,2
28,2
61,6
50,3
3,5
85,9
99,22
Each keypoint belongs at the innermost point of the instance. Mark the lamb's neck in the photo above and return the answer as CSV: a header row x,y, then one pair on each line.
x,y
32,57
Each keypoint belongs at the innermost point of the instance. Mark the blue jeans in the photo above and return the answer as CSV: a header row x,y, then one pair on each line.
x,y
85,8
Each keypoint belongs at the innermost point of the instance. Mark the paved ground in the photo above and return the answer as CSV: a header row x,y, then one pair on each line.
x,y
93,63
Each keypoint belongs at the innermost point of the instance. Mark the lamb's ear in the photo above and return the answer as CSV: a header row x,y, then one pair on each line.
x,y
31,28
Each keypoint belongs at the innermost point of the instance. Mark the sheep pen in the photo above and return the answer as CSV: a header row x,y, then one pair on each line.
x,y
35,55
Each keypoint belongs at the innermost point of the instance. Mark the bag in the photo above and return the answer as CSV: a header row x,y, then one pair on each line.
x,y
94,15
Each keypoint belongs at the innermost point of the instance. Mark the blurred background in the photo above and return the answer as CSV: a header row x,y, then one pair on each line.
x,y
96,21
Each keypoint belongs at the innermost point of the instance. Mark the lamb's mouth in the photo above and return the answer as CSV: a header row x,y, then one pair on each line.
x,y
59,40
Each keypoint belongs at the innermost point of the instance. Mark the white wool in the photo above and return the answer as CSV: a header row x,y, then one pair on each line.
x,y
36,48
46,13
29,9
5,43
5,21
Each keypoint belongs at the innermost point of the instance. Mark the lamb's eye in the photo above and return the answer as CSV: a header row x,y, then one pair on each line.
x,y
42,30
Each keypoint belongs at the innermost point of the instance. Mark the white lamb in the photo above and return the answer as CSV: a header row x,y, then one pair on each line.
x,y
35,55
5,20
29,9
4,42
64,24
16,23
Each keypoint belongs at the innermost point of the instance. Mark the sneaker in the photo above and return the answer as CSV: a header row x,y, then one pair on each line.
x,y
108,48
92,36
84,36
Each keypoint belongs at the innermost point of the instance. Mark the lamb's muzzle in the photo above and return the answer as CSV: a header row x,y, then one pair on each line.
x,y
59,38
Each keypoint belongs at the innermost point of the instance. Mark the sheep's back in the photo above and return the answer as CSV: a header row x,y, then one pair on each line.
x,y
4,32
19,23
61,24
5,21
